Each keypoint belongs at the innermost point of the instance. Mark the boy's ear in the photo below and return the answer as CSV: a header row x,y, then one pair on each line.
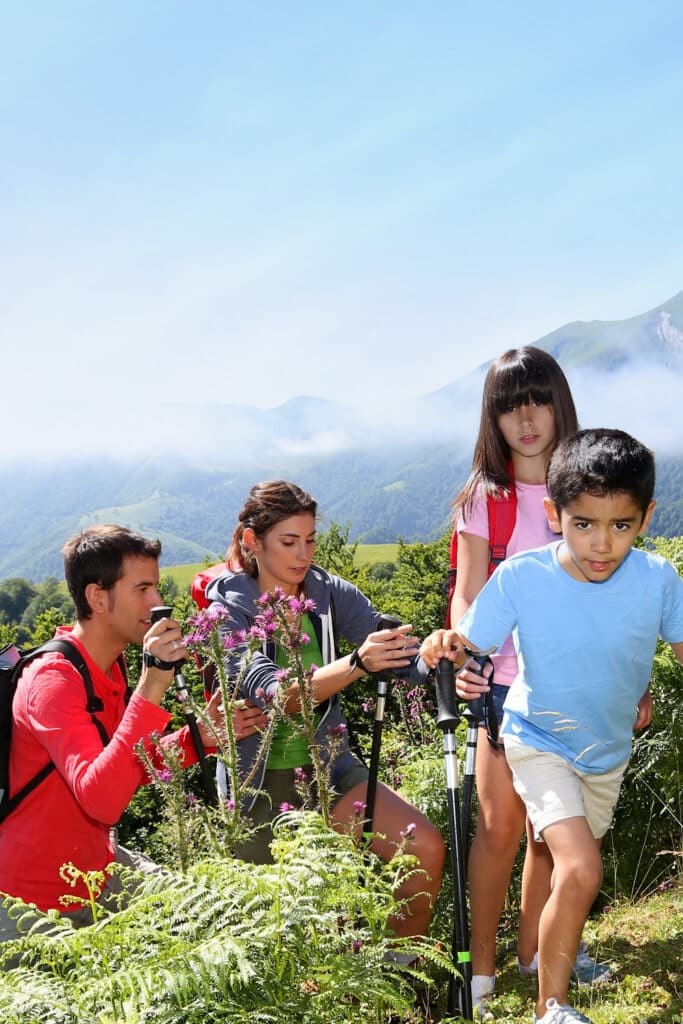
x,y
553,515
647,517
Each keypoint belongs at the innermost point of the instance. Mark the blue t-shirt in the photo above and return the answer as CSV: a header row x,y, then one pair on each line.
x,y
585,649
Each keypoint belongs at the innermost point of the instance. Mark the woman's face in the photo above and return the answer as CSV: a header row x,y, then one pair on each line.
x,y
285,552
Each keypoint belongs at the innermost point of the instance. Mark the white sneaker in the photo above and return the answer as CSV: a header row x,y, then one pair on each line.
x,y
561,1013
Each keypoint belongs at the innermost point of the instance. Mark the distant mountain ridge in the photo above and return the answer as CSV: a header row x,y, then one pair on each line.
x,y
385,476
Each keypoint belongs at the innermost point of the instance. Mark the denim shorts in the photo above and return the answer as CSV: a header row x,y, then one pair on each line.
x,y
498,693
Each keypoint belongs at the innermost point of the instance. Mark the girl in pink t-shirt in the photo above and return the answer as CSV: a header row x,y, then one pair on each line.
x,y
527,408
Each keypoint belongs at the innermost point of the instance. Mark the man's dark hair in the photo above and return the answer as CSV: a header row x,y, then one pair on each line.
x,y
97,555
601,462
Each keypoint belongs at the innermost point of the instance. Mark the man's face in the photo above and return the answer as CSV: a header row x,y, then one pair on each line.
x,y
131,599
598,532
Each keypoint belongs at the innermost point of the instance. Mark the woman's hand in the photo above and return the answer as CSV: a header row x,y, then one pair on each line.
x,y
389,649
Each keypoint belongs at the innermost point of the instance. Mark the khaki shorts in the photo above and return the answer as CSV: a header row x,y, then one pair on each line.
x,y
553,790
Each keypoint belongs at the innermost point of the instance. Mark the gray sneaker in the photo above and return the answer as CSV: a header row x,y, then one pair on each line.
x,y
587,971
561,1013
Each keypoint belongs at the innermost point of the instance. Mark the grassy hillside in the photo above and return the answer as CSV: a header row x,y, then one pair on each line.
x,y
366,554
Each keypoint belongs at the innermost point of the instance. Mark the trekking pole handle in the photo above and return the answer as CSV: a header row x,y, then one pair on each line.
x,y
448,715
389,622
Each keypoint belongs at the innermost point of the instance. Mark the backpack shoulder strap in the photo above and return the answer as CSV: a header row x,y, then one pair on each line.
x,y
72,654
502,513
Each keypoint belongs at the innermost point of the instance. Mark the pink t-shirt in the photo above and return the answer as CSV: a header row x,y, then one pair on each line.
x,y
531,531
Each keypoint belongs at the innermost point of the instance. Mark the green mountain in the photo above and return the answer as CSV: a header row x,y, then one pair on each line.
x,y
386,478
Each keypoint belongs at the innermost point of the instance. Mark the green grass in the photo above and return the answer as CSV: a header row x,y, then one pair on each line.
x,y
366,554
643,940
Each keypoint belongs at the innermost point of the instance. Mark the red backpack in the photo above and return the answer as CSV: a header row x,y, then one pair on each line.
x,y
202,580
502,513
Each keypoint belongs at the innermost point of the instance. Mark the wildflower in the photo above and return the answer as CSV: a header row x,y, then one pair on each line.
x,y
272,598
281,674
336,730
368,705
309,987
409,833
300,775
284,807
191,800
230,804
356,945
164,775
358,808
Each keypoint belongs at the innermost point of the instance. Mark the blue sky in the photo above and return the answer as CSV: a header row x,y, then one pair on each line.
x,y
360,201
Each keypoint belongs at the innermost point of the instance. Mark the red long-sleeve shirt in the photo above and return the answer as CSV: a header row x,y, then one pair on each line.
x,y
69,815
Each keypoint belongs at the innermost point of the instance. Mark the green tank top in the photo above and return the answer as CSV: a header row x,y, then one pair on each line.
x,y
289,748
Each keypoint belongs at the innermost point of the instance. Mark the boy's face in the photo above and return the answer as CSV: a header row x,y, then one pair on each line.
x,y
598,533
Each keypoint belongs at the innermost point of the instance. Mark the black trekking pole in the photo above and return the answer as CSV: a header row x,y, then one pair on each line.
x,y
165,612
447,719
475,712
383,679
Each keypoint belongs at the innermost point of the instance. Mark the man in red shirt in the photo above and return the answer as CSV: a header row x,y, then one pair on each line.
x,y
112,575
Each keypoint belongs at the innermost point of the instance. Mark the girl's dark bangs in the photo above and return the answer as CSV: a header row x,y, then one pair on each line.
x,y
519,385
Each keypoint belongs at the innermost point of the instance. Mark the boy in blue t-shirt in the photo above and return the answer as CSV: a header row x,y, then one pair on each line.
x,y
585,655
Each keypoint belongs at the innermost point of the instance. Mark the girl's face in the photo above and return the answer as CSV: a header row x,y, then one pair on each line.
x,y
285,552
529,430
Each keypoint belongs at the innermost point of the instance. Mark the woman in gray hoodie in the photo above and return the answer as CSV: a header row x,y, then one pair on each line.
x,y
273,547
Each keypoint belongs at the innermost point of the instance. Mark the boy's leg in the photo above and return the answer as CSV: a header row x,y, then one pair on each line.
x,y
536,876
500,824
576,883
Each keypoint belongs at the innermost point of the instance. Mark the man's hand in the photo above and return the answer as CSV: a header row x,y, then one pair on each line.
x,y
163,640
247,719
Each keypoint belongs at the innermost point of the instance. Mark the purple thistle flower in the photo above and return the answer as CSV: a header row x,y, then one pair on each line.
x,y
305,638
358,807
356,945
230,804
300,775
281,674
191,799
164,775
284,807
336,730
409,833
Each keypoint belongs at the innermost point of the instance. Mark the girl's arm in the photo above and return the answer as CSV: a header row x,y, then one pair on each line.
x,y
473,565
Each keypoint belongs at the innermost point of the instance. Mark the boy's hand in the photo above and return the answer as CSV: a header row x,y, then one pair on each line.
x,y
442,643
644,708
470,682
